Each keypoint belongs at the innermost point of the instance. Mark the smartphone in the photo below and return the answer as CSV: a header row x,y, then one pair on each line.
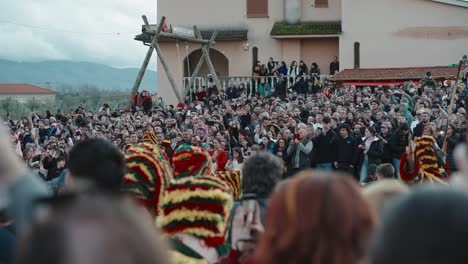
x,y
297,136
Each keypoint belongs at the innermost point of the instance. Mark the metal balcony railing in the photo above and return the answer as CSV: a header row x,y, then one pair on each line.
x,y
248,81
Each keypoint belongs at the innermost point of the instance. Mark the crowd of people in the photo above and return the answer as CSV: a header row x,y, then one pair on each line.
x,y
268,177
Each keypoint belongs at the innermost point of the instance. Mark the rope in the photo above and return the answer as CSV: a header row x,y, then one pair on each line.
x,y
178,54
188,59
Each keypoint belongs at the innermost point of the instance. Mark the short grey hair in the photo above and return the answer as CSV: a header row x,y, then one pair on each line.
x,y
260,174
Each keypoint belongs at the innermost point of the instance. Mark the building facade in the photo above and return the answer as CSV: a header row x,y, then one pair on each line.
x,y
22,93
362,33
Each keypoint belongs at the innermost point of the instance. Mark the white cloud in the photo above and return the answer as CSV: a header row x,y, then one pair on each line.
x,y
71,29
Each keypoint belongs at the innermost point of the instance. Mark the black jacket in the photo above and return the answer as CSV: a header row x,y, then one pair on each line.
x,y
375,152
387,152
398,144
325,153
345,149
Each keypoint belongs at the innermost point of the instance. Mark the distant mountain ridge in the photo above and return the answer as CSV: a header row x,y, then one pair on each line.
x,y
74,75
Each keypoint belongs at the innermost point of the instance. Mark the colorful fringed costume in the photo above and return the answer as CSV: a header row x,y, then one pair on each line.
x,y
427,167
148,173
190,161
233,181
199,207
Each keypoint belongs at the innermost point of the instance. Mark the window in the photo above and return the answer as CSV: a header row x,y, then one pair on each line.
x,y
357,55
257,8
321,3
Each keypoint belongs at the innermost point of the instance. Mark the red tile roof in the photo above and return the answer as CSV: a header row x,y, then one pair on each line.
x,y
23,88
392,74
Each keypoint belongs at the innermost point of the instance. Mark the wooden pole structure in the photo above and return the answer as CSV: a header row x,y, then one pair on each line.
x,y
452,101
154,36
206,54
144,66
202,59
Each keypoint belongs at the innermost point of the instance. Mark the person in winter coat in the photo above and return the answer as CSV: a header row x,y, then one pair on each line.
x,y
283,69
371,149
264,88
324,152
299,150
314,69
398,142
231,92
303,70
345,149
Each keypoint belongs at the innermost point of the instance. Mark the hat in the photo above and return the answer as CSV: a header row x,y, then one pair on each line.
x,y
199,207
191,161
233,181
148,173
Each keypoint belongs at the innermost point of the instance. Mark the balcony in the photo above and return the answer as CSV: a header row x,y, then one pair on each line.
x,y
248,81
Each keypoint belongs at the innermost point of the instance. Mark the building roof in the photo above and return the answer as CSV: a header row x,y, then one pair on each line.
x,y
23,88
461,3
306,28
392,74
223,34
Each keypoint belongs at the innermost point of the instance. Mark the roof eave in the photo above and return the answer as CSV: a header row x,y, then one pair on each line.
x,y
294,36
453,2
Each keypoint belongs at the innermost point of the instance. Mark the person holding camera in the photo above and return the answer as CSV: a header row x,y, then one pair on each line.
x,y
299,151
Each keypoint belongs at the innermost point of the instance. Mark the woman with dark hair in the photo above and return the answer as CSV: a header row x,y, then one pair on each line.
x,y
219,155
267,144
235,163
314,69
283,69
334,229
281,150
303,70
429,226
371,151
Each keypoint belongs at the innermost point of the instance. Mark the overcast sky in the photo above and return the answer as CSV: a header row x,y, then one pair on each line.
x,y
79,30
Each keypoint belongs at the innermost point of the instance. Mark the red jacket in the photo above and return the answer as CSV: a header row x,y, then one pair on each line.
x,y
221,159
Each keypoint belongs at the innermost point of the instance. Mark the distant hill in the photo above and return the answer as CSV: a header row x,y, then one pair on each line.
x,y
69,75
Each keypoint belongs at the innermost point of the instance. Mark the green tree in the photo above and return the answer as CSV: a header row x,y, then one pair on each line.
x,y
6,105
32,105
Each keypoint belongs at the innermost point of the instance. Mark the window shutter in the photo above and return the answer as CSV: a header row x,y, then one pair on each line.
x,y
257,8
321,3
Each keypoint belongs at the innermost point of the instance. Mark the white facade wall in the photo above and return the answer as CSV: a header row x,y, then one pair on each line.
x,y
402,33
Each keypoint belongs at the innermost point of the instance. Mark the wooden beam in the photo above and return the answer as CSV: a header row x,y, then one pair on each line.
x,y
146,61
168,73
200,62
184,38
145,20
206,53
140,75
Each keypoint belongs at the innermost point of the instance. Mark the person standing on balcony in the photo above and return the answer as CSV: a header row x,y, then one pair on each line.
x,y
303,70
314,69
334,66
271,66
283,69
256,69
264,71
231,92
293,70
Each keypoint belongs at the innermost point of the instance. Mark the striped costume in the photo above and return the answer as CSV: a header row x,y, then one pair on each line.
x,y
427,168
